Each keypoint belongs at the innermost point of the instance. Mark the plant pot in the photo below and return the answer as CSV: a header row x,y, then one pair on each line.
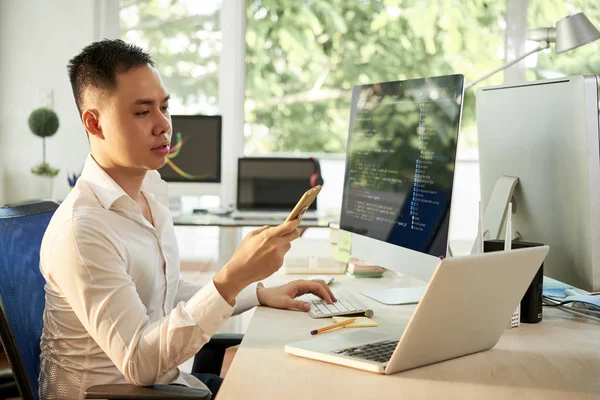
x,y
43,187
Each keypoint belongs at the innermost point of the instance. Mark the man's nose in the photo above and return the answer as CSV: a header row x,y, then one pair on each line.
x,y
162,125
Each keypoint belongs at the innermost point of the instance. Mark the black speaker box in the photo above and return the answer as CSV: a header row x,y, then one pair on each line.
x,y
531,304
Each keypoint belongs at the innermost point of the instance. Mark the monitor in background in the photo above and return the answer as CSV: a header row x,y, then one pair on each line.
x,y
546,134
194,164
273,186
399,174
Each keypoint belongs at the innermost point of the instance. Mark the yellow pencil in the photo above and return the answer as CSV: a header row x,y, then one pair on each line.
x,y
328,327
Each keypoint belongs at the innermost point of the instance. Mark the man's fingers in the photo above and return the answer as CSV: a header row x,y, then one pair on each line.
x,y
285,228
318,288
293,235
259,230
298,304
327,289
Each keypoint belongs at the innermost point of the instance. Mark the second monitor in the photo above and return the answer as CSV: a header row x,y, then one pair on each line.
x,y
194,163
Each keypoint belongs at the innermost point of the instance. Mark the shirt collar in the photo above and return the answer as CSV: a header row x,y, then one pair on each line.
x,y
108,191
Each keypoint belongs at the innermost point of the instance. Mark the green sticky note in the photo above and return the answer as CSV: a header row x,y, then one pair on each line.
x,y
344,247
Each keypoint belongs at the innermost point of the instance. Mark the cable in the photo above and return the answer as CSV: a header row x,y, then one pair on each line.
x,y
573,305
580,313
590,312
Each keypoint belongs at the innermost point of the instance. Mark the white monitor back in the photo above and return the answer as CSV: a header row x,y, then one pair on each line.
x,y
546,134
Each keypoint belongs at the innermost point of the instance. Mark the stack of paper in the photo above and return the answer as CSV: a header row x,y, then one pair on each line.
x,y
364,269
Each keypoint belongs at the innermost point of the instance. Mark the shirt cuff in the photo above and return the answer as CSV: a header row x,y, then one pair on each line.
x,y
247,299
209,309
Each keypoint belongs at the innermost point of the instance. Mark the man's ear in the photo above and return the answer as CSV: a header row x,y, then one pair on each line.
x,y
91,122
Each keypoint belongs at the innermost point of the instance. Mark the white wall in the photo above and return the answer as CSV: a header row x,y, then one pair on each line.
x,y
37,38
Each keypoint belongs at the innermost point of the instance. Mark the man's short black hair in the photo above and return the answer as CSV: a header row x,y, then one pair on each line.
x,y
97,65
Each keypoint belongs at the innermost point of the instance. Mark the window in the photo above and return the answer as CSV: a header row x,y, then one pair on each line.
x,y
304,56
184,39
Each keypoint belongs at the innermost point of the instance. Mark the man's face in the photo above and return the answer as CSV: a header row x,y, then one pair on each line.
x,y
135,121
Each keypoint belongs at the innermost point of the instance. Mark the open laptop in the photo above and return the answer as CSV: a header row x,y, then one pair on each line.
x,y
465,309
270,187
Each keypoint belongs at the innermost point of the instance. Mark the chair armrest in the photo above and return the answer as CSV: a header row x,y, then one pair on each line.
x,y
8,385
209,360
129,391
225,340
6,375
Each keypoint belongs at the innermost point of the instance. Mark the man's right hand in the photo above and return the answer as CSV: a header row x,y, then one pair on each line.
x,y
259,255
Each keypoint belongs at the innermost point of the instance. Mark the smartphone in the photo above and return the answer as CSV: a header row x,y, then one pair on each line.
x,y
305,201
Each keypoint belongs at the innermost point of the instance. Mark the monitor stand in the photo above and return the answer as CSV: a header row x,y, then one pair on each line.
x,y
495,211
396,296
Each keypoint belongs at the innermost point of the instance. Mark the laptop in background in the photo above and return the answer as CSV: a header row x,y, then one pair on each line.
x,y
270,187
465,309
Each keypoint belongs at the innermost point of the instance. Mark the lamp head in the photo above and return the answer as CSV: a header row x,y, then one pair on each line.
x,y
570,32
574,31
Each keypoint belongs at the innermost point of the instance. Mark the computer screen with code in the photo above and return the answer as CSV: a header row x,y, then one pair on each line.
x,y
400,161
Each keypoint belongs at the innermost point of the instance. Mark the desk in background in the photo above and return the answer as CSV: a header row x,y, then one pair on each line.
x,y
229,239
558,358
224,221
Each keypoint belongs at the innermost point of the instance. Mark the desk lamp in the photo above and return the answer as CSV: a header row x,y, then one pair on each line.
x,y
570,32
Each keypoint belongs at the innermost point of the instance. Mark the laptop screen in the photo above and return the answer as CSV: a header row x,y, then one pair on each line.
x,y
400,165
273,183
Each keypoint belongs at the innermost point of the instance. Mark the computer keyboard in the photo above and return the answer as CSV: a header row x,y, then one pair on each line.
x,y
346,304
379,352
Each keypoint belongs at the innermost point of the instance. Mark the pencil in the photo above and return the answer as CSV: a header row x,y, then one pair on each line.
x,y
328,327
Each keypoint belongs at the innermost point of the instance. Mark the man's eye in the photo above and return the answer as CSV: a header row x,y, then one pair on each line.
x,y
142,113
164,108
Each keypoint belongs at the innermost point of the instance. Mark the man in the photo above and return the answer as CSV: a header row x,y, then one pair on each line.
x,y
116,308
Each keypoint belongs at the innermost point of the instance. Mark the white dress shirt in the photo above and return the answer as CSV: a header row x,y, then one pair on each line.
x,y
116,308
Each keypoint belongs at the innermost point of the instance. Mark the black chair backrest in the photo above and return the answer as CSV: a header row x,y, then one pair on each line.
x,y
22,296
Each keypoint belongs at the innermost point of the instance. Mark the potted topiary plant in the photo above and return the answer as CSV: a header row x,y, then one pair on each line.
x,y
43,122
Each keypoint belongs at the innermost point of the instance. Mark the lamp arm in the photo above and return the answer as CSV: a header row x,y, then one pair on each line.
x,y
543,45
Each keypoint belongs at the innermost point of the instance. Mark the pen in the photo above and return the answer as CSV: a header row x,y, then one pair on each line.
x,y
328,327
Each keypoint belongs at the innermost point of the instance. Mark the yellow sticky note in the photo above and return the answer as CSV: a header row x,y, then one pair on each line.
x,y
344,247
361,322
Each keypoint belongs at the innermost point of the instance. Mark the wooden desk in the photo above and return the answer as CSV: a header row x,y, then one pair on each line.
x,y
558,358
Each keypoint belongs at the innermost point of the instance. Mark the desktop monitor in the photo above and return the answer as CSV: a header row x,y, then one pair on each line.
x,y
273,183
546,134
194,164
400,171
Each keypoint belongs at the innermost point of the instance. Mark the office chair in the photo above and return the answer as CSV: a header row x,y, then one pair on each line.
x,y
22,304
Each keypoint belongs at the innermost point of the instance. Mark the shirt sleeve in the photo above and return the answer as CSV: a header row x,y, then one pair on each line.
x,y
91,272
246,300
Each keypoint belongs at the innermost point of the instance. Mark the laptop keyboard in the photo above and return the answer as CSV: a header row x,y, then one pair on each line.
x,y
346,304
378,352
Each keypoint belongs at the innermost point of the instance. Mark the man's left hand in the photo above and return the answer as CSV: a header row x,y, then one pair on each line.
x,y
284,296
